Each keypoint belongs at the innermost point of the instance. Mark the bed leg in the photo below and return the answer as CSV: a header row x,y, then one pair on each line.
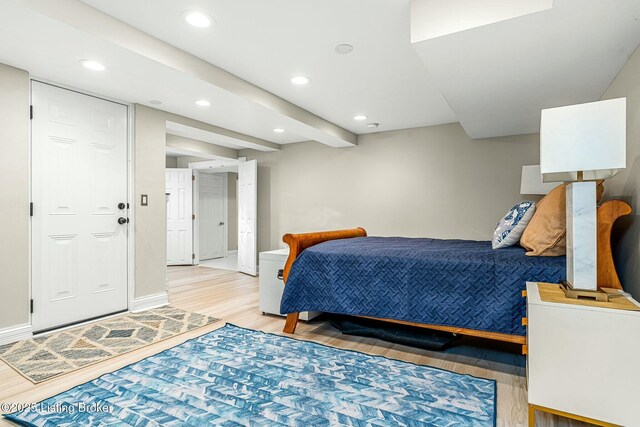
x,y
291,323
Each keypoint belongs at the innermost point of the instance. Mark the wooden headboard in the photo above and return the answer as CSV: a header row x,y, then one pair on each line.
x,y
608,213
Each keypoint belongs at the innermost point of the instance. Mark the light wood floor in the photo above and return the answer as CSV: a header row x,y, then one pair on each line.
x,y
234,298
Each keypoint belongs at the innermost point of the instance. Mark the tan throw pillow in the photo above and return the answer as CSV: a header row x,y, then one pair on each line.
x,y
545,234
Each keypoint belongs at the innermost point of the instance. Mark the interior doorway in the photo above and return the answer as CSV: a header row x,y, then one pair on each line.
x,y
218,209
216,219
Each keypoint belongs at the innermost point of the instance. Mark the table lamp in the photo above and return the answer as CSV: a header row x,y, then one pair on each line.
x,y
531,181
583,143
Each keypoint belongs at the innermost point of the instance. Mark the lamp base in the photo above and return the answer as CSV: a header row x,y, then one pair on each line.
x,y
582,236
596,295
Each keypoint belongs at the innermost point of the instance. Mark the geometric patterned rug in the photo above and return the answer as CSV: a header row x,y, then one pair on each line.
x,y
240,377
41,358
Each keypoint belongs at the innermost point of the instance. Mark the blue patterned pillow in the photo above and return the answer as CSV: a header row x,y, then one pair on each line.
x,y
511,227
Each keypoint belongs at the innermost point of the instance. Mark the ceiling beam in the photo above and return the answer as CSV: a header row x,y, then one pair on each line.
x,y
92,21
220,136
198,148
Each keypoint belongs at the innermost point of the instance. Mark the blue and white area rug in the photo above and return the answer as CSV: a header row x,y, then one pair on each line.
x,y
236,376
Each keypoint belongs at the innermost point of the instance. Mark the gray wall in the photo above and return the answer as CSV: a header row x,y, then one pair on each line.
x,y
232,210
432,181
626,185
150,221
171,162
14,209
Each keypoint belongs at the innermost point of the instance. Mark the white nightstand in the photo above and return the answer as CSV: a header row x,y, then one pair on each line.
x,y
271,287
582,362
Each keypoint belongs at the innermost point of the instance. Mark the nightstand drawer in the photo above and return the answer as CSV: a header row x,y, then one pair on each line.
x,y
583,360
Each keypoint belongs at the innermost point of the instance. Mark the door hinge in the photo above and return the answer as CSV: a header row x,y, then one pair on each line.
x,y
31,306
193,177
31,209
193,217
193,256
31,112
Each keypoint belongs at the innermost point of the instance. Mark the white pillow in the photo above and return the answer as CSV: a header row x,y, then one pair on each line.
x,y
512,225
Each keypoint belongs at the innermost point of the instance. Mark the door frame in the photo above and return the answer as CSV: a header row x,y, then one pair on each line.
x,y
130,186
196,211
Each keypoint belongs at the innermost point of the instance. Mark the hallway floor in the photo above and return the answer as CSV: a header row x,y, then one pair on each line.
x,y
226,263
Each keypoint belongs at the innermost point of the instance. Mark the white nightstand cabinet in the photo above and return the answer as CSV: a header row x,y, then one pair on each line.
x,y
583,362
271,287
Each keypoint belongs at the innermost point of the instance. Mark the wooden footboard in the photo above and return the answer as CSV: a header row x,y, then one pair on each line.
x,y
298,243
608,213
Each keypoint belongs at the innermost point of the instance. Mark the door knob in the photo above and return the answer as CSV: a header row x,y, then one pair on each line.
x,y
121,206
122,220
221,223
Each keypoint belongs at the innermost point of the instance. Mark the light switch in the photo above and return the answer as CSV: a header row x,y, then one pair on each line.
x,y
144,200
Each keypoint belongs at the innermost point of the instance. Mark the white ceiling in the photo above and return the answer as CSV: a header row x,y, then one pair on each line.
x,y
51,50
495,78
437,18
266,42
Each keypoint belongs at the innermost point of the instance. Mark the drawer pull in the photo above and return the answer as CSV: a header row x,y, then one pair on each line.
x,y
524,349
525,321
524,294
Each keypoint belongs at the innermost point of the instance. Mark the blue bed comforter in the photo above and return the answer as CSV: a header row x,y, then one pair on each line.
x,y
444,282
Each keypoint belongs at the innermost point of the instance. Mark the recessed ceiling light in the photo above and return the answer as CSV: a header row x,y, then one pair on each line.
x,y
278,130
343,49
360,117
202,103
300,80
373,125
197,19
155,102
92,65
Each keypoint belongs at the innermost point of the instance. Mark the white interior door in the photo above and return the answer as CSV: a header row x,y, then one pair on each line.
x,y
247,216
179,217
211,215
79,178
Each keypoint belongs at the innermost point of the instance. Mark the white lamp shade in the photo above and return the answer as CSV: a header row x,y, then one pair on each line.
x,y
588,137
531,182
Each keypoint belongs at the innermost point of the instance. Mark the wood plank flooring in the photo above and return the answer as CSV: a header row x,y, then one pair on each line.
x,y
234,298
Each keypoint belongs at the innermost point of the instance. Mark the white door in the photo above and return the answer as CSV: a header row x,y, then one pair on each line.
x,y
247,216
179,217
79,179
211,210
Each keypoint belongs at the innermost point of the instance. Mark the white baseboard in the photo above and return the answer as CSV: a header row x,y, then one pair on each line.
x,y
233,252
150,301
15,333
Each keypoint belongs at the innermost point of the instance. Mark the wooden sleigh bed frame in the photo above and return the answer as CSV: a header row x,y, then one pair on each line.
x,y
608,213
